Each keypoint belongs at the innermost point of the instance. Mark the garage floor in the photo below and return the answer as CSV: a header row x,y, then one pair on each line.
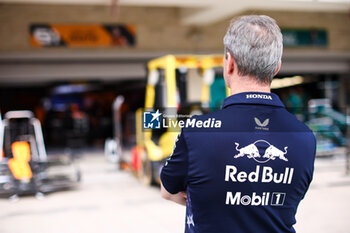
x,y
109,200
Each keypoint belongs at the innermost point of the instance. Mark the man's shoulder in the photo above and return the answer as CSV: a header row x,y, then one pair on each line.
x,y
293,123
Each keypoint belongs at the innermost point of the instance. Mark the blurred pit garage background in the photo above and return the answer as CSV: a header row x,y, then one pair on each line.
x,y
75,76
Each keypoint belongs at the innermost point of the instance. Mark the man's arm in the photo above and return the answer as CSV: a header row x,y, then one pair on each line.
x,y
174,173
179,197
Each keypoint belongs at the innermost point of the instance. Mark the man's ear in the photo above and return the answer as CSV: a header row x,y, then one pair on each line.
x,y
278,68
230,63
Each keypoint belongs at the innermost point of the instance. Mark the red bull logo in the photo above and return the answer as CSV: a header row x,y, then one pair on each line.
x,y
251,151
263,175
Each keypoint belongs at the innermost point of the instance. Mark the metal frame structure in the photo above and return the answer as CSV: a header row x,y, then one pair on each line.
x,y
42,178
38,134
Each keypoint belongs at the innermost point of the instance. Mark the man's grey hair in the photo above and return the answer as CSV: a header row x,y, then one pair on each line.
x,y
255,42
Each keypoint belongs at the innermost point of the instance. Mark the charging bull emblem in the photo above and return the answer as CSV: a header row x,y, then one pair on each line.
x,y
273,152
252,151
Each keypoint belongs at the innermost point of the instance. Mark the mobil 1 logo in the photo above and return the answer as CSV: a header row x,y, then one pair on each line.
x,y
255,199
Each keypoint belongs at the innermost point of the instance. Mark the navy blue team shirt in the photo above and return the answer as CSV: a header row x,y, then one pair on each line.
x,y
249,174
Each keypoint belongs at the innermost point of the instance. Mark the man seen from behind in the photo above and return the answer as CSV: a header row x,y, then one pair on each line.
x,y
249,175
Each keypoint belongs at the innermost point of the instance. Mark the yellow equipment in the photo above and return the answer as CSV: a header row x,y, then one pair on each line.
x,y
176,84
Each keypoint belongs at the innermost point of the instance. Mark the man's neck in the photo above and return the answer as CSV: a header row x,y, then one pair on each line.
x,y
246,84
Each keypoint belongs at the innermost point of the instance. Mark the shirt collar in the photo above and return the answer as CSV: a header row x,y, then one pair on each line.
x,y
257,98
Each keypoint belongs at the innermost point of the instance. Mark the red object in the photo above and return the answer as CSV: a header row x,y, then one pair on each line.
x,y
135,158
